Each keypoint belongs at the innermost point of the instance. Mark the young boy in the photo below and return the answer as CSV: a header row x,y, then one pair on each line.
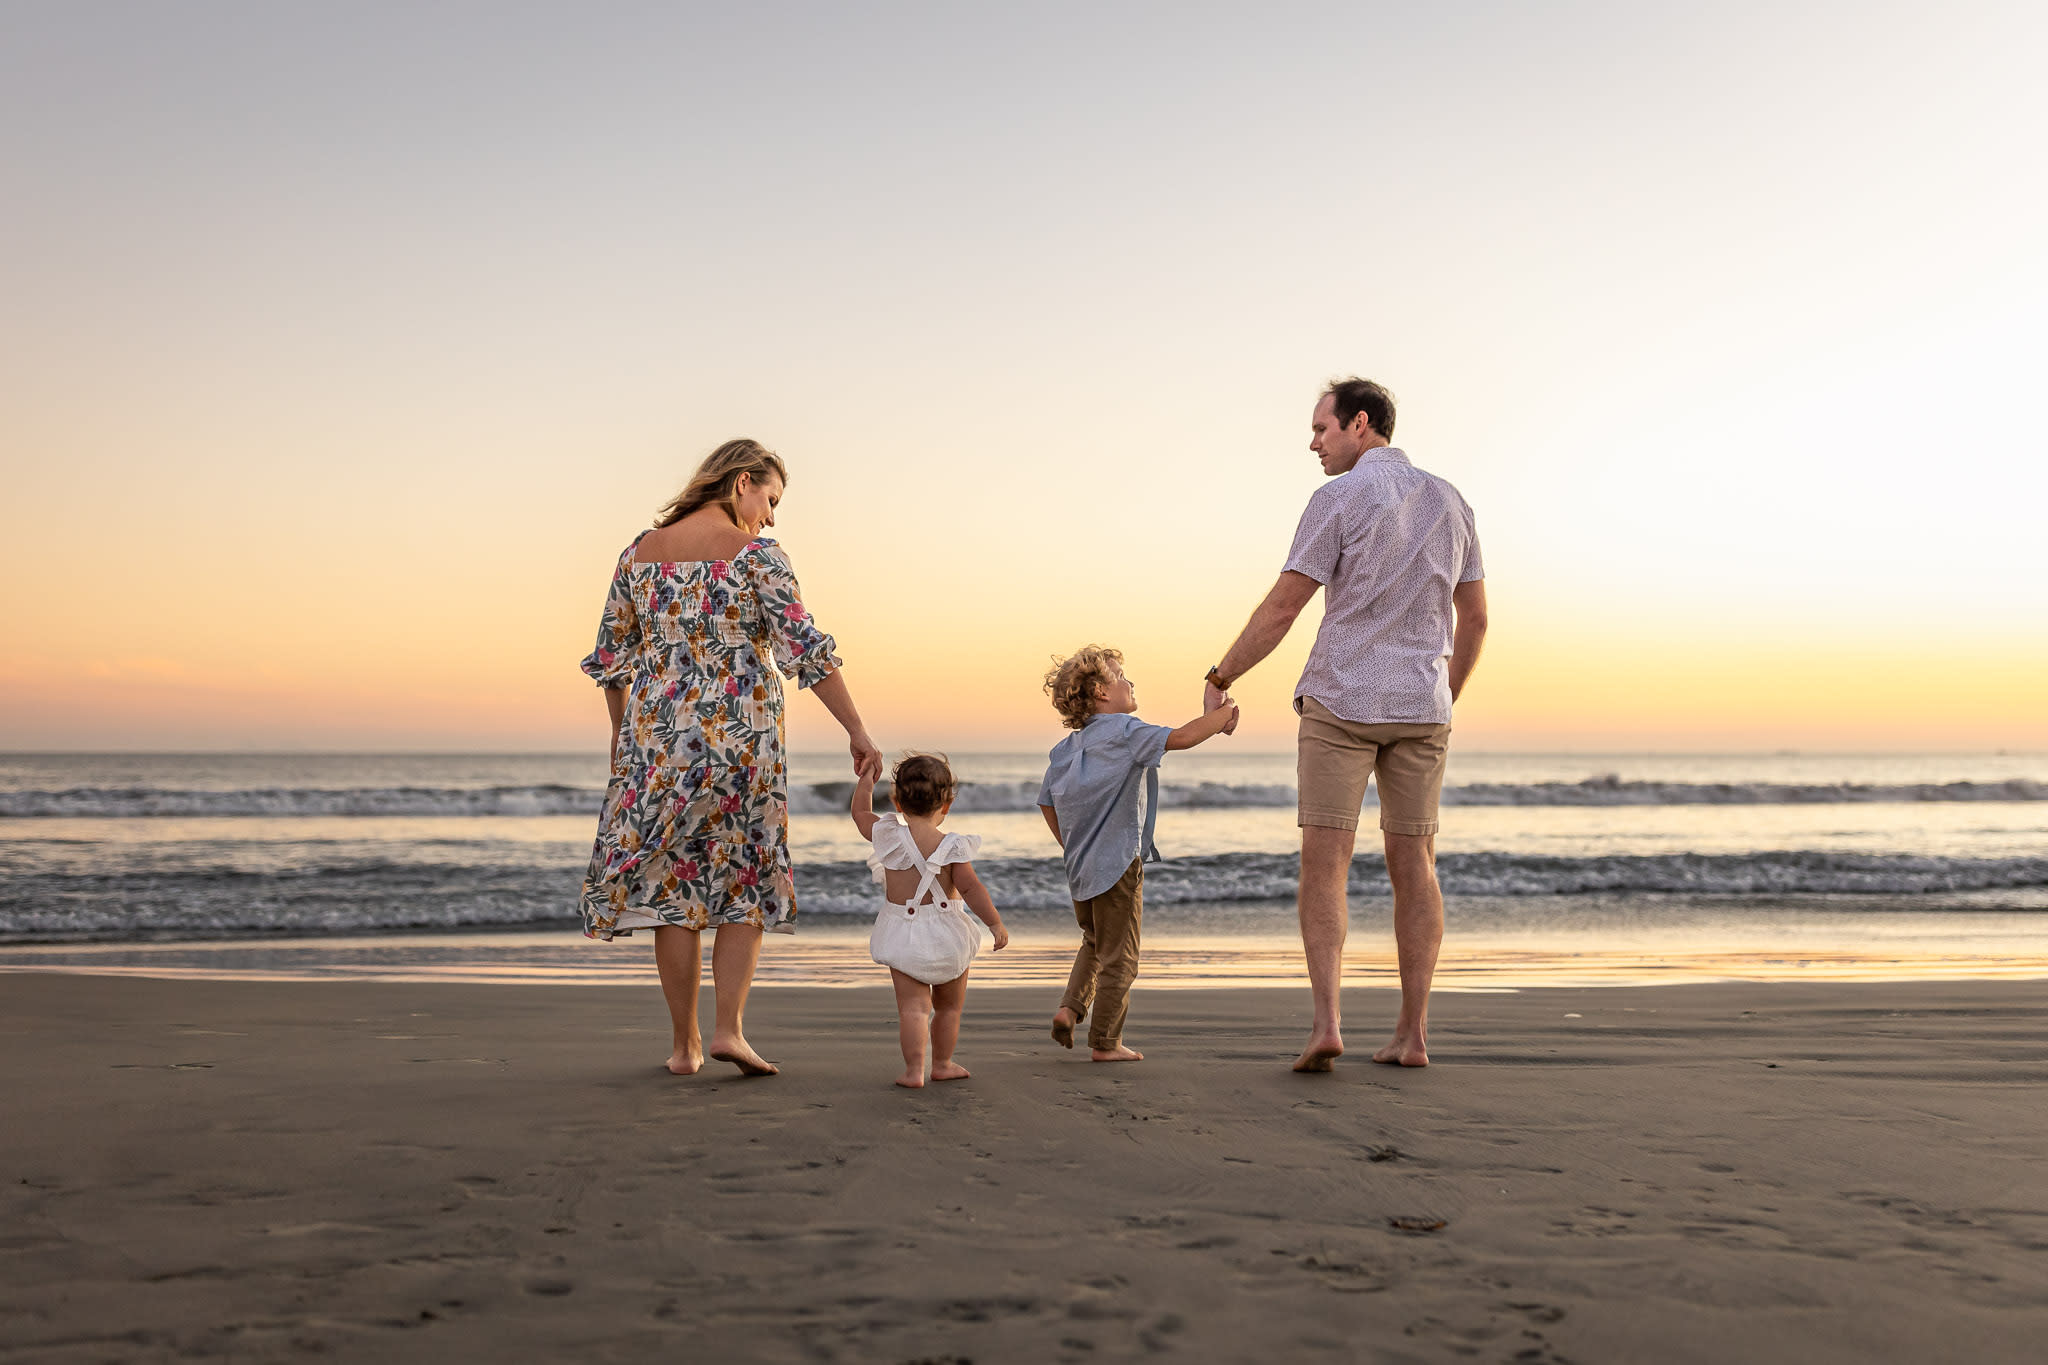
x,y
1090,799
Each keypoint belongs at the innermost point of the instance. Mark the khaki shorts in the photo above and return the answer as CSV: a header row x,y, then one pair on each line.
x,y
1337,756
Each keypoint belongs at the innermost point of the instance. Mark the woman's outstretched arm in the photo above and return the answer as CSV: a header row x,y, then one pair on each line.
x,y
832,690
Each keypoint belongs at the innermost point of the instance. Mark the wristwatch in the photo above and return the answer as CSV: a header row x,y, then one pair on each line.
x,y
1214,677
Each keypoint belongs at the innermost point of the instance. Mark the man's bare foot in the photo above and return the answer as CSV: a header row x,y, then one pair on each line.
x,y
912,1078
1063,1022
1404,1051
949,1071
736,1051
1119,1053
685,1061
1322,1050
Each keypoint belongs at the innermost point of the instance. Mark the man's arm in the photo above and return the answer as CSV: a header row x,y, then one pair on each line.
x,y
1052,822
1264,632
1469,601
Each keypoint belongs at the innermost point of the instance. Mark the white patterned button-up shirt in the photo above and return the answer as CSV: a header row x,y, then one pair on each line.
x,y
1388,543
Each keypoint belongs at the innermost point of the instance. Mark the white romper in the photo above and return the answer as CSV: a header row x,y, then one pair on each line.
x,y
928,937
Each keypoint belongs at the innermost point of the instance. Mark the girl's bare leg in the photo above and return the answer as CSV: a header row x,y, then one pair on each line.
x,y
947,1001
734,951
914,1026
677,958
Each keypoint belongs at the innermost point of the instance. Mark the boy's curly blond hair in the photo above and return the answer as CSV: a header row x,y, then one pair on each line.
x,y
1072,682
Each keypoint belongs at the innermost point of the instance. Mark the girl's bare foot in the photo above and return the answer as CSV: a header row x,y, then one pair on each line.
x,y
912,1079
736,1051
1322,1049
685,1061
1063,1022
949,1071
1119,1053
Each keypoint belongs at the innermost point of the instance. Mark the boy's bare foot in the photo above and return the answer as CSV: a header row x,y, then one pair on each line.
x,y
736,1051
685,1061
1404,1051
949,1071
1322,1050
1063,1022
912,1080
1119,1053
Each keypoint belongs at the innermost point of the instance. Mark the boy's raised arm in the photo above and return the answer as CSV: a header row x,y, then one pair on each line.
x,y
864,805
1216,722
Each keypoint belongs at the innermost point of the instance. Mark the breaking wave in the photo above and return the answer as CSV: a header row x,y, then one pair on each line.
x,y
827,798
363,895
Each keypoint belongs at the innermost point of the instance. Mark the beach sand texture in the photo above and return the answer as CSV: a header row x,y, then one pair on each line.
x,y
361,1171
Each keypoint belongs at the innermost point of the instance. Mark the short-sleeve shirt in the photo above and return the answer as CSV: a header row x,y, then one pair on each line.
x,y
1092,784
1389,543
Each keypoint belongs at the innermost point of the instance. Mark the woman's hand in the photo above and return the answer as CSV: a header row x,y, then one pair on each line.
x,y
867,756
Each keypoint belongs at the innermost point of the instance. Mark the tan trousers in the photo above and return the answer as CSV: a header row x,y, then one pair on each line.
x,y
1108,961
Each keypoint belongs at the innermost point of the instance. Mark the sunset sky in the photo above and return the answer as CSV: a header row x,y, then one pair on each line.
x,y
345,345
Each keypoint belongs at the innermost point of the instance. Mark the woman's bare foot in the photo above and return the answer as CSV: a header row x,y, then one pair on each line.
x,y
685,1061
736,1051
912,1079
1063,1022
1404,1051
1119,1053
949,1071
1322,1050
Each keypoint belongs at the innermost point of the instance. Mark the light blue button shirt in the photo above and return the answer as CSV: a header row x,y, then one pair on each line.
x,y
1091,784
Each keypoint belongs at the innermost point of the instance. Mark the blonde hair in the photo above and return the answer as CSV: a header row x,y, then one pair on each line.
x,y
718,477
1072,682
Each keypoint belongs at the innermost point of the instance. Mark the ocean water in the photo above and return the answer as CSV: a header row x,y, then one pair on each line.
x,y
1821,849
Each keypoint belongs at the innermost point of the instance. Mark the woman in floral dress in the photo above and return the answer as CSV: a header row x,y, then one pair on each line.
x,y
702,613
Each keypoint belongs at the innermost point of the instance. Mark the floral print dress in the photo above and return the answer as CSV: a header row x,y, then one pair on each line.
x,y
695,829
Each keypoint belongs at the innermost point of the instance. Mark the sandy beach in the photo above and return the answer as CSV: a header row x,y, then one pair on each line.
x,y
372,1171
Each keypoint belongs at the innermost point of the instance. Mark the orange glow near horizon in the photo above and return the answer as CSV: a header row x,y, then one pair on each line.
x,y
313,444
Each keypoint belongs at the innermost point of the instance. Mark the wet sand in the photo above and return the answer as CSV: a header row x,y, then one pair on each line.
x,y
375,1171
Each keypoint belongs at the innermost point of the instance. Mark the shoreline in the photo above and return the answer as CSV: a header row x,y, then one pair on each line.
x,y
1775,1172
1040,961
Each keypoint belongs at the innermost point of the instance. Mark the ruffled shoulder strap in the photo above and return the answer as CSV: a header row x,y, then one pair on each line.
x,y
887,839
956,848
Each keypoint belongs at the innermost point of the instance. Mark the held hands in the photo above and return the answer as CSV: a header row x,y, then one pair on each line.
x,y
867,757
1214,697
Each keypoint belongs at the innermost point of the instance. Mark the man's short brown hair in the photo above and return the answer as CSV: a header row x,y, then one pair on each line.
x,y
1072,682
1349,397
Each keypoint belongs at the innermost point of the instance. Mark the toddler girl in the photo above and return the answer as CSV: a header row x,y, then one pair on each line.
x,y
923,935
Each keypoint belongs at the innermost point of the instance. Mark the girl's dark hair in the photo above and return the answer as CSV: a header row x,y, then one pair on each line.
x,y
921,784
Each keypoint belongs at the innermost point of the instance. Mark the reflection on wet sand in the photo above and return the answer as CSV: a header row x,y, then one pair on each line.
x,y
842,960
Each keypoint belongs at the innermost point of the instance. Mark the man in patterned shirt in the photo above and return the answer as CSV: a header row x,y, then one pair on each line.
x,y
1404,613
